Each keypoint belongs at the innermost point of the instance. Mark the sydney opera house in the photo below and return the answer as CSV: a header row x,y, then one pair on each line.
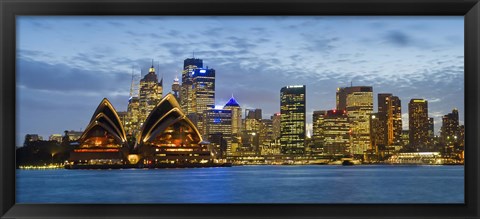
x,y
167,138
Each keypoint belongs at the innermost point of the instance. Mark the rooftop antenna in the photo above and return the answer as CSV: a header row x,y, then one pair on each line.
x,y
152,63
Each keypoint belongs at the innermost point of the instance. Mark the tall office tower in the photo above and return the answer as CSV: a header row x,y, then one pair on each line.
x,y
187,95
266,140
151,92
359,107
390,116
293,119
176,88
251,132
233,105
203,89
418,124
132,123
318,137
218,123
336,132
450,131
203,95
276,125
378,130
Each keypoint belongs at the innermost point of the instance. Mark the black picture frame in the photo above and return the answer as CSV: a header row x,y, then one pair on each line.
x,y
9,9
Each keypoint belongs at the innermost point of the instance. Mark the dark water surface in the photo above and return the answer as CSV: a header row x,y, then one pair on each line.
x,y
246,184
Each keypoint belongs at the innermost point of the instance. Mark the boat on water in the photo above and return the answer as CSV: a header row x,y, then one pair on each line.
x,y
347,163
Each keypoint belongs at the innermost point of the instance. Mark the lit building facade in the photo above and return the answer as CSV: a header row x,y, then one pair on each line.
x,y
218,123
56,137
293,119
151,92
450,130
187,95
318,132
418,124
359,107
276,125
390,116
378,130
132,125
251,139
336,133
233,105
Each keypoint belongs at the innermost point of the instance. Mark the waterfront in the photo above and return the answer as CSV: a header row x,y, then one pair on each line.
x,y
246,184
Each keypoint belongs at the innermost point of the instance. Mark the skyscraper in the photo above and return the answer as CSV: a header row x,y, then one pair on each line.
x,y
203,89
318,119
151,92
187,96
390,116
378,130
336,133
418,124
218,124
359,107
293,119
251,131
276,125
233,105
450,130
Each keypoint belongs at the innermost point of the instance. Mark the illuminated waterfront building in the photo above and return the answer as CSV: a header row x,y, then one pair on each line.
x,y
151,92
73,135
104,140
293,119
359,107
218,123
390,109
336,133
187,95
132,125
233,105
318,132
169,137
378,130
276,125
204,89
55,137
418,124
204,95
268,145
251,139
450,130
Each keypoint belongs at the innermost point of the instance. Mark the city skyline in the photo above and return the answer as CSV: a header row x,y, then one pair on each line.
x,y
42,89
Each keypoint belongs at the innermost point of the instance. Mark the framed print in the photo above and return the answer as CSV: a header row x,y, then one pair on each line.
x,y
169,109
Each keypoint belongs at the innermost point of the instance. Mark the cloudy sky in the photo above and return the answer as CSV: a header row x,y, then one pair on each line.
x,y
66,65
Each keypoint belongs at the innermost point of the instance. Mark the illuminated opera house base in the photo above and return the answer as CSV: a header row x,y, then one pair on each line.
x,y
167,139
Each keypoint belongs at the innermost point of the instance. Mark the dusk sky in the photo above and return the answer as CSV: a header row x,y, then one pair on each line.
x,y
67,65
